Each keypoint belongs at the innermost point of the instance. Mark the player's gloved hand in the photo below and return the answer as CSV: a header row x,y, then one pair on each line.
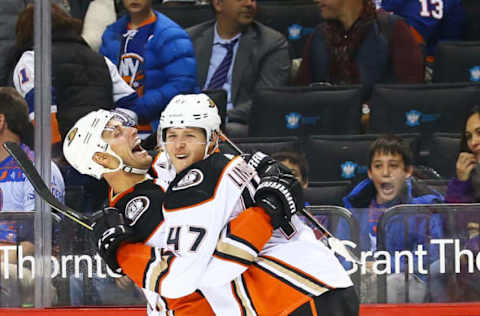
x,y
260,162
281,195
109,232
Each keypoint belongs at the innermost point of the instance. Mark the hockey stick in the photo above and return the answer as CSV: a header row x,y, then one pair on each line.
x,y
41,188
335,244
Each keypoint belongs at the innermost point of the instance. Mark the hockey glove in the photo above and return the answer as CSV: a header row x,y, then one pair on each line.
x,y
260,162
281,195
109,232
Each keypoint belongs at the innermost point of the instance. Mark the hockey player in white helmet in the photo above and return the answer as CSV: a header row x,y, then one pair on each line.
x,y
208,250
104,144
91,146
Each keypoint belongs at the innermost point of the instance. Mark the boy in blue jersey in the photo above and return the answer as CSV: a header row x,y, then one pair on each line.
x,y
154,56
390,183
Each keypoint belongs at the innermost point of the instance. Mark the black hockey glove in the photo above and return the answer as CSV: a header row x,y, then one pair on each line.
x,y
109,232
260,162
281,195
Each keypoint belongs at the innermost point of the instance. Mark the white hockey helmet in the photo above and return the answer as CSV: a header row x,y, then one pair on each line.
x,y
85,139
190,110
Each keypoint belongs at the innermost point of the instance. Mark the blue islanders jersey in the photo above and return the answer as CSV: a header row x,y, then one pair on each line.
x,y
131,63
17,194
434,20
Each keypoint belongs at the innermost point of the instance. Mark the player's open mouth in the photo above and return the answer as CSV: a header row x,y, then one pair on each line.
x,y
183,156
138,149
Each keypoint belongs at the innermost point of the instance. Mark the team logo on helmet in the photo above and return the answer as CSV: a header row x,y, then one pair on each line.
x,y
71,135
192,178
136,207
212,104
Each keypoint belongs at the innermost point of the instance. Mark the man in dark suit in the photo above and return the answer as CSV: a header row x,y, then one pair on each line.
x,y
236,53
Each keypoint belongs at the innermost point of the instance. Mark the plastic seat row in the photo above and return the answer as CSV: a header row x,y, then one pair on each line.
x,y
345,157
415,108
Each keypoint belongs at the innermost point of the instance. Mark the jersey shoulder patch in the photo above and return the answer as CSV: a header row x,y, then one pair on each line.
x,y
142,207
196,183
136,207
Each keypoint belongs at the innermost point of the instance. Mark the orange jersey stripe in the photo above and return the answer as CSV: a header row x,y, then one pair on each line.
x,y
114,199
147,21
56,137
313,307
252,225
193,304
134,258
269,295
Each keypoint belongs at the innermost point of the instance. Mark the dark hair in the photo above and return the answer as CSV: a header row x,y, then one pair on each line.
x,y
15,109
296,159
463,140
390,144
61,20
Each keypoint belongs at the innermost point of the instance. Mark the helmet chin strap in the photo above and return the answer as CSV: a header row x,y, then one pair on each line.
x,y
122,166
133,170
209,142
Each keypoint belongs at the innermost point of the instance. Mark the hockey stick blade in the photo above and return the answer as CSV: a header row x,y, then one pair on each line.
x,y
41,188
335,244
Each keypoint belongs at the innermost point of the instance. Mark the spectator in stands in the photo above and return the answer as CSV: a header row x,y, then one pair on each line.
x,y
9,10
430,21
357,44
154,56
390,183
99,14
465,188
296,162
17,194
83,80
238,54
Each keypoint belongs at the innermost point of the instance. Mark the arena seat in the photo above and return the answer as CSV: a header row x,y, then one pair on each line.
x,y
472,14
219,96
443,153
457,61
294,19
344,157
268,145
421,108
301,111
326,192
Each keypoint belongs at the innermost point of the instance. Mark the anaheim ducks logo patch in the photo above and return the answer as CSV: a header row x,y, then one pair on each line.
x,y
212,104
71,135
192,178
136,207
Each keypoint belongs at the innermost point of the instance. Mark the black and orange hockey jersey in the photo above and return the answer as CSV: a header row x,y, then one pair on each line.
x,y
207,243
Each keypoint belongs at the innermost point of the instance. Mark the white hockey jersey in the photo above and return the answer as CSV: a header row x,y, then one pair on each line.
x,y
208,242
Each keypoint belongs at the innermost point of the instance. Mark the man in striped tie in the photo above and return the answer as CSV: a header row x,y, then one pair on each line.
x,y
236,53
